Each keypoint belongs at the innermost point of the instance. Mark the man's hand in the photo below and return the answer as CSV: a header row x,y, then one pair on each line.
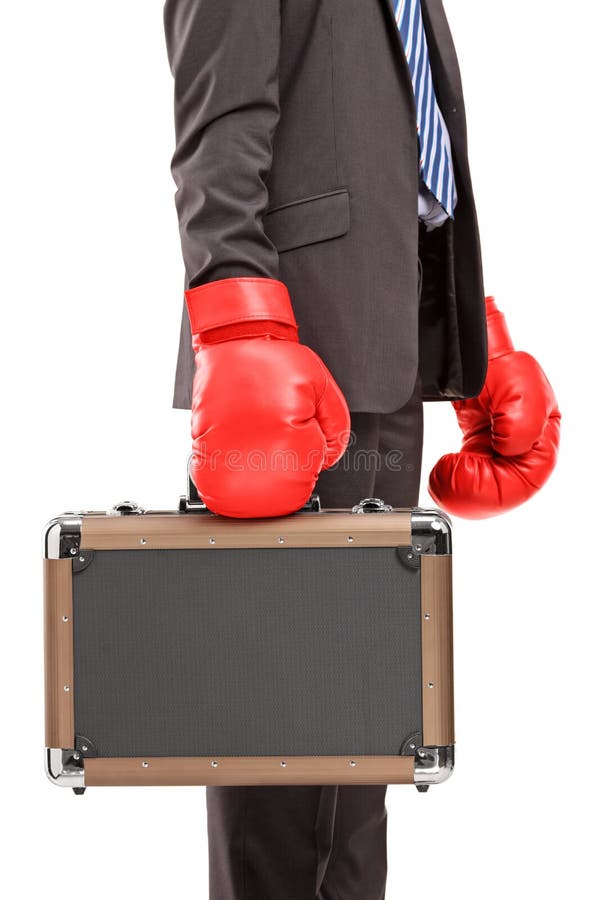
x,y
267,415
511,434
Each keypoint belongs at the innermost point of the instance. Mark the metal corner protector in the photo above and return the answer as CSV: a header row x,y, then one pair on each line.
x,y
62,537
65,768
431,531
433,765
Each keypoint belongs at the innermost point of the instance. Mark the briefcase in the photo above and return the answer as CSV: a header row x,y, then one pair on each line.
x,y
185,648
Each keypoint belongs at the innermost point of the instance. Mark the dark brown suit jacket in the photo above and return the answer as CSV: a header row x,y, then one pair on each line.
x,y
297,158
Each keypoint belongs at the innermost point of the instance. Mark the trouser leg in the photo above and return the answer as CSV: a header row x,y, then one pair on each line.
x,y
262,843
353,477
383,458
289,843
400,450
357,867
274,843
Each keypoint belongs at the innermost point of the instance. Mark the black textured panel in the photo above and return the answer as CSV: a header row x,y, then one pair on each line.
x,y
247,652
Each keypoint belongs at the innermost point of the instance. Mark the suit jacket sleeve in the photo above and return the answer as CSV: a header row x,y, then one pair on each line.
x,y
224,56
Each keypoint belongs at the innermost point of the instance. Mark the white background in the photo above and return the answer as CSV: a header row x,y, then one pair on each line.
x,y
91,297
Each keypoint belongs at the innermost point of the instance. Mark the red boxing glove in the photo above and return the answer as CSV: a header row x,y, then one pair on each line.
x,y
511,434
267,415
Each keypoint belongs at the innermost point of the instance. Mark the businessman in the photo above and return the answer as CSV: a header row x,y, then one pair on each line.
x,y
333,282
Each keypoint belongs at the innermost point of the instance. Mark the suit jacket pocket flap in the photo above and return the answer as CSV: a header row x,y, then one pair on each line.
x,y
308,220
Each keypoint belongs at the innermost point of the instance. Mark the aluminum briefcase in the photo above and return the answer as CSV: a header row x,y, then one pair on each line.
x,y
186,648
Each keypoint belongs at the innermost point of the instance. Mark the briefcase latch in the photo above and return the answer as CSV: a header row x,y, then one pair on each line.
x,y
372,505
126,508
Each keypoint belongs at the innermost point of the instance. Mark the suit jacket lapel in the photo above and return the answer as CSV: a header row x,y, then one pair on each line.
x,y
442,54
444,64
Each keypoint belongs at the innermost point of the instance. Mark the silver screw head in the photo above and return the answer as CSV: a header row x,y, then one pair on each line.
x,y
410,555
77,755
214,764
430,684
82,559
143,540
281,540
413,746
65,618
66,688
84,748
283,764
350,539
73,551
144,765
427,615
212,540
352,763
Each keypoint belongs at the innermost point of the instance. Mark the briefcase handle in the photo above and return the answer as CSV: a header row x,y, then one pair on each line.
x,y
192,502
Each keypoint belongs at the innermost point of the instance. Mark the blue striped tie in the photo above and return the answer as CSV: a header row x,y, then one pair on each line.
x,y
436,157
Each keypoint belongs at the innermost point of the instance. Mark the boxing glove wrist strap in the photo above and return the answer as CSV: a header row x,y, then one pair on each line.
x,y
499,340
240,307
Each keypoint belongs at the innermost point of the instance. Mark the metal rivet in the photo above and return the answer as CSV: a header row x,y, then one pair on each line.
x,y
143,540
413,746
73,551
410,555
430,684
421,753
281,540
65,618
418,547
66,688
144,765
350,538
283,764
427,615
212,540
352,763
214,764
82,559
77,755
84,748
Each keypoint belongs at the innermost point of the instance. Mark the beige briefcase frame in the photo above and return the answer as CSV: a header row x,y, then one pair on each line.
x,y
425,537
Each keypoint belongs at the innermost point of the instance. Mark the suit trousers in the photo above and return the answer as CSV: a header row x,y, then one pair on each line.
x,y
320,842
